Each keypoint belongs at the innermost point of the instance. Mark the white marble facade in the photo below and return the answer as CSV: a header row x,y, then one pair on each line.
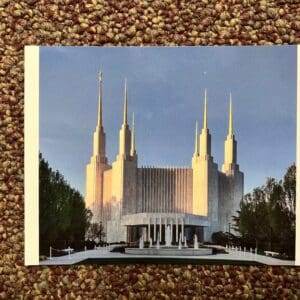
x,y
133,201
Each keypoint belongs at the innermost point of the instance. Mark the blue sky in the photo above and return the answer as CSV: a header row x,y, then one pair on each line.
x,y
165,90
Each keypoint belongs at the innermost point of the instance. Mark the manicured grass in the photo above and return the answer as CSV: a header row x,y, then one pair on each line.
x,y
162,260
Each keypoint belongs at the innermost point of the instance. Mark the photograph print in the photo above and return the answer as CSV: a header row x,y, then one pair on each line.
x,y
167,155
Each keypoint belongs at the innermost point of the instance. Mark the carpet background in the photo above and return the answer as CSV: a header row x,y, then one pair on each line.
x,y
137,22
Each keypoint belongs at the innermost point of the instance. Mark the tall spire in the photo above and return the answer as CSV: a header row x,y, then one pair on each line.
x,y
100,101
125,104
205,111
99,139
230,146
132,149
205,138
230,127
125,134
196,153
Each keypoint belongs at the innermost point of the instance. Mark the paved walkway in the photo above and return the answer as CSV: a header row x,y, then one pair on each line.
x,y
105,253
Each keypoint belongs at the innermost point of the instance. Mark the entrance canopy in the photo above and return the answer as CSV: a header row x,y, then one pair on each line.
x,y
169,218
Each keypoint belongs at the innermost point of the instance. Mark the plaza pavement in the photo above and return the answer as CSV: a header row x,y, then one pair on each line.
x,y
104,252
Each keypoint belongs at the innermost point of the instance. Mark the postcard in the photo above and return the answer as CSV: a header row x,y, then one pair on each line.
x,y
160,154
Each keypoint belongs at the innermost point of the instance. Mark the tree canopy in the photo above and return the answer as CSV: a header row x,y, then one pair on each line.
x,y
96,232
62,213
267,215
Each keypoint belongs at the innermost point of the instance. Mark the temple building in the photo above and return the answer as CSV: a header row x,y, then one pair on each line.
x,y
132,201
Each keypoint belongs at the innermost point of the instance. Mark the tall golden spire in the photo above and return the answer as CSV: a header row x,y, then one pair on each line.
x,y
132,149
205,139
230,127
196,153
125,135
99,139
100,101
205,111
230,146
125,104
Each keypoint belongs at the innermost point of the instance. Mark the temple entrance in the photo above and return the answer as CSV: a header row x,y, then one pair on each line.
x,y
190,232
136,231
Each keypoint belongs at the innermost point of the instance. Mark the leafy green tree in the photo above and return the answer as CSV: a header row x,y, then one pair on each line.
x,y
62,212
95,231
289,185
251,220
267,215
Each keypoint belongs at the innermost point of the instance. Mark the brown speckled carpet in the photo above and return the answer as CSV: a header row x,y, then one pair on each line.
x,y
137,22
